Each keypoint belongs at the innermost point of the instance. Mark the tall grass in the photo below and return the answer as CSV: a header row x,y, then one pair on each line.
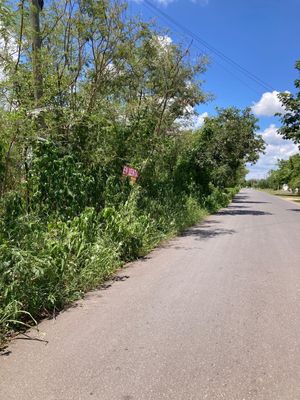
x,y
46,264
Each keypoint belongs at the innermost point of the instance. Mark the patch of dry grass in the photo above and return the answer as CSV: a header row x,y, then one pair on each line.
x,y
285,195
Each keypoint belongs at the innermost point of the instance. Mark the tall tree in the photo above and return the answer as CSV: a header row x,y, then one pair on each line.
x,y
225,143
291,118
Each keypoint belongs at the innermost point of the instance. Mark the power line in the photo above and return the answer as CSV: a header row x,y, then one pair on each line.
x,y
216,61
212,49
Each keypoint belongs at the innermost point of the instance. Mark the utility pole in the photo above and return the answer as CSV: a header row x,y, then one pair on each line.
x,y
35,9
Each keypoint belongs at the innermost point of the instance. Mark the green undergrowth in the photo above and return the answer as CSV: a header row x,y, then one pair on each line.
x,y
46,263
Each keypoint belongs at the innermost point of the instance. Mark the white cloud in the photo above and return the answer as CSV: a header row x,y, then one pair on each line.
x,y
164,41
276,148
8,50
198,120
2,46
271,136
268,105
191,120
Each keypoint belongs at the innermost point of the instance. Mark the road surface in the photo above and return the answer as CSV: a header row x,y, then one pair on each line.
x,y
213,314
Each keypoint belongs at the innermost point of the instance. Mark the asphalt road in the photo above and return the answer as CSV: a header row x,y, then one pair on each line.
x,y
213,314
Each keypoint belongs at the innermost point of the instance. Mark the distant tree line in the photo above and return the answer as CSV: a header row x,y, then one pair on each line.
x,y
287,173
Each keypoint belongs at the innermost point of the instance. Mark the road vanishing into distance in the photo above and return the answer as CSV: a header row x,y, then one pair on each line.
x,y
212,314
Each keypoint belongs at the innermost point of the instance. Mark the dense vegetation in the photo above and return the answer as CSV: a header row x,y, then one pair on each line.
x,y
291,117
287,173
85,90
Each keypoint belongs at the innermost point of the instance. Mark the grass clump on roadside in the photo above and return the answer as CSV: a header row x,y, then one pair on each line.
x,y
294,197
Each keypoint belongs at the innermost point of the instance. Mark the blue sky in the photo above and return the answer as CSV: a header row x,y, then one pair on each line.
x,y
261,36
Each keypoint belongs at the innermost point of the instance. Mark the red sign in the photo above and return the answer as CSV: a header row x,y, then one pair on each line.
x,y
128,171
